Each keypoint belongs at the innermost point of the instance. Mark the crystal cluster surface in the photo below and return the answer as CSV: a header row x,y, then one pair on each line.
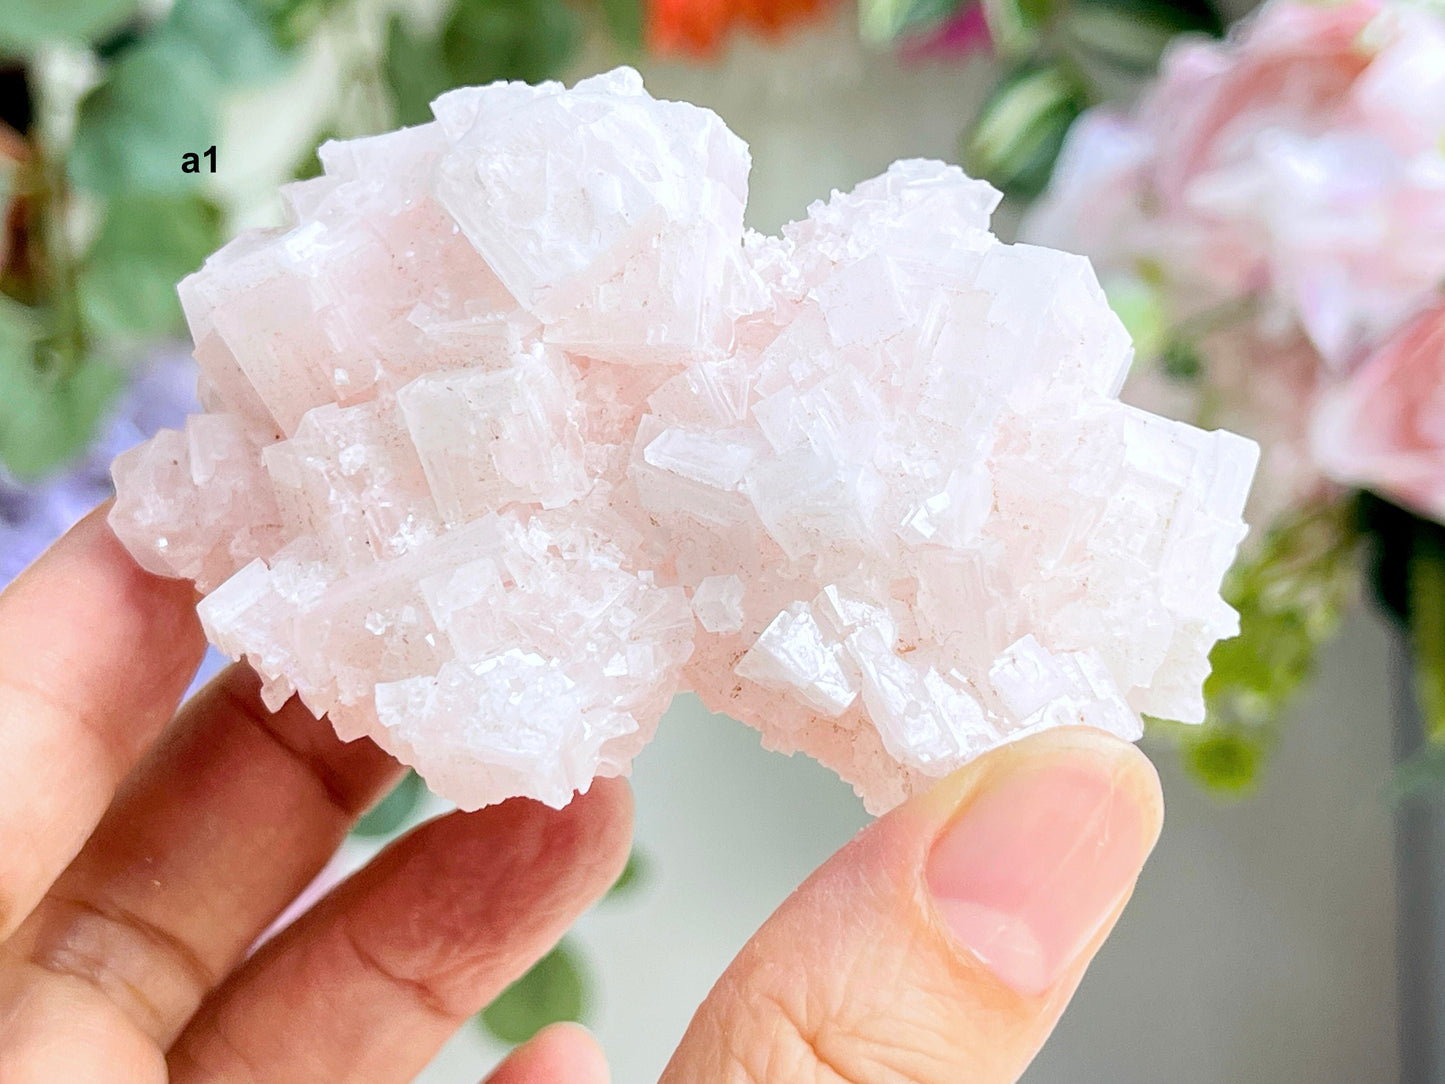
x,y
515,431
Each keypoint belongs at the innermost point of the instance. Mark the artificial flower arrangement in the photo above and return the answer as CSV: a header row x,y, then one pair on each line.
x,y
1270,221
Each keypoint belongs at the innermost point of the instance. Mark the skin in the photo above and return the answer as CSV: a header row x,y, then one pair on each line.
x,y
143,850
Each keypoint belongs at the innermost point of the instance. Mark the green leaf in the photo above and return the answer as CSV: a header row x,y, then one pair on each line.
x,y
232,38
21,328
481,41
1427,634
633,875
1128,44
293,21
1140,306
51,404
1180,361
554,990
1177,16
127,35
1021,128
156,104
392,811
1131,34
625,21
1015,26
883,21
308,164
414,72
530,40
1226,760
127,285
1290,594
25,24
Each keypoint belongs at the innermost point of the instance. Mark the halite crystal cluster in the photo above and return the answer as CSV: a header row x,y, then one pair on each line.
x,y
516,431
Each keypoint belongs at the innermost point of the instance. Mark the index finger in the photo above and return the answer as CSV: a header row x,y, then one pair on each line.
x,y
95,654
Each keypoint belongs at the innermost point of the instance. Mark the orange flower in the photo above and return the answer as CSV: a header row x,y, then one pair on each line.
x,y
698,28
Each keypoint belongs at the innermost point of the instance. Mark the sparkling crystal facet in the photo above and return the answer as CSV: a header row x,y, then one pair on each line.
x,y
515,431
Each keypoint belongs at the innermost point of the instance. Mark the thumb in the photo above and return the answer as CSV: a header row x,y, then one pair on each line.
x,y
941,944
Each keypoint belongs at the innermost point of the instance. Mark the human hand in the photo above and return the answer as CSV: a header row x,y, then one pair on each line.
x,y
139,861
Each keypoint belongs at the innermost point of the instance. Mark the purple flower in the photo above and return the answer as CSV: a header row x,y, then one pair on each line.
x,y
160,396
33,516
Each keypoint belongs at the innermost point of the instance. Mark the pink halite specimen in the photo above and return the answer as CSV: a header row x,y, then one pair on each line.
x,y
516,431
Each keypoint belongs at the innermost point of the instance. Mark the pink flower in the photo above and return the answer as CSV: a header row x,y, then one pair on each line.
x,y
1302,162
1289,69
1384,427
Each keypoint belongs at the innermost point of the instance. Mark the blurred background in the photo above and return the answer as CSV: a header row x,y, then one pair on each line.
x,y
1263,196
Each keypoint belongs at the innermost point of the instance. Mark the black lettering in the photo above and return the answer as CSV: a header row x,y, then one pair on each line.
x,y
191,160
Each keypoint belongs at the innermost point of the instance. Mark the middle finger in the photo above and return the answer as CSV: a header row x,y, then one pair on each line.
x,y
230,817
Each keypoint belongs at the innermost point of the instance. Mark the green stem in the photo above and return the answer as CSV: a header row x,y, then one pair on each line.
x,y
1073,62
1218,317
1427,632
68,341
364,89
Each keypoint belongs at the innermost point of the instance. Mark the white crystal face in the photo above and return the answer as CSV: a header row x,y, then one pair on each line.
x,y
514,432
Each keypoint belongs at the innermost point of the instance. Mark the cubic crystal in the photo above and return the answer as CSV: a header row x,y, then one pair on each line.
x,y
515,431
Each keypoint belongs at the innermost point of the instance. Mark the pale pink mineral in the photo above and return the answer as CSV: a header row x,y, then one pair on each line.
x,y
515,431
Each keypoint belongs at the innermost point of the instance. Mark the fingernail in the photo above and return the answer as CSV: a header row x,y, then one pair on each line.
x,y
1027,873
